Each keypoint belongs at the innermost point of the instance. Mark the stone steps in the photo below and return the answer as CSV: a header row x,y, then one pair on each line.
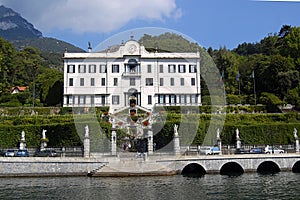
x,y
134,168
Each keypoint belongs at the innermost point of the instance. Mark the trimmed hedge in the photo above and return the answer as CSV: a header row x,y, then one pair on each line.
x,y
68,130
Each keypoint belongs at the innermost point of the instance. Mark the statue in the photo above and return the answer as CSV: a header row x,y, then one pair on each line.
x,y
22,136
112,121
218,134
295,133
139,131
237,134
86,131
44,134
176,130
22,142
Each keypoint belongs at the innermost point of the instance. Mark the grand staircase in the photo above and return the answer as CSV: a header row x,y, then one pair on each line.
x,y
132,164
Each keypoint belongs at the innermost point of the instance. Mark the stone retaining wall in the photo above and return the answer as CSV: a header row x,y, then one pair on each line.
x,y
34,166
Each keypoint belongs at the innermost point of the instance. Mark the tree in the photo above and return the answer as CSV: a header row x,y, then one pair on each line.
x,y
246,49
287,81
268,45
168,42
229,63
291,45
269,71
32,63
50,84
7,53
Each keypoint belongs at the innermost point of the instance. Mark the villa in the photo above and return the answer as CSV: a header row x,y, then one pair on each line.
x,y
114,76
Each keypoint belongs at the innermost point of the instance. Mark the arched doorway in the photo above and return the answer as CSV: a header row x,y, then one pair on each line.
x,y
132,95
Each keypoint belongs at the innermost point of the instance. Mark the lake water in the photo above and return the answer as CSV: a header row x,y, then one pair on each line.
x,y
284,185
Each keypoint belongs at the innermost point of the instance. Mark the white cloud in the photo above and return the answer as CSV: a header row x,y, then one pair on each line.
x,y
91,16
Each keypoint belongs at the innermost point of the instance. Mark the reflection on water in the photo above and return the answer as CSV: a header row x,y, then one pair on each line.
x,y
247,186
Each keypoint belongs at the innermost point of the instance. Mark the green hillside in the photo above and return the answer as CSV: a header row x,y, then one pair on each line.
x,y
49,45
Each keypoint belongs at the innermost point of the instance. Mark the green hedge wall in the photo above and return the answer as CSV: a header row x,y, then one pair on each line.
x,y
67,131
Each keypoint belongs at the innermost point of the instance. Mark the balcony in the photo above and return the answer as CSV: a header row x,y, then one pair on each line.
x,y
132,74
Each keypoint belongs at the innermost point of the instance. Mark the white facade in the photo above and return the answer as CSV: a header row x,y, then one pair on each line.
x,y
109,78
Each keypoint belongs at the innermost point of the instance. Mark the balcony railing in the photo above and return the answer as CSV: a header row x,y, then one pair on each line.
x,y
131,74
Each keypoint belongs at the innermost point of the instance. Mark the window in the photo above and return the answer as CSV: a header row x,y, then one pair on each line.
x,y
70,81
92,81
182,98
193,81
69,99
115,68
172,99
81,68
92,100
193,98
172,82
193,68
81,100
132,81
149,99
172,68
149,68
149,81
181,68
103,100
115,81
161,68
102,68
181,81
92,68
71,69
115,99
81,81
161,98
102,81
161,81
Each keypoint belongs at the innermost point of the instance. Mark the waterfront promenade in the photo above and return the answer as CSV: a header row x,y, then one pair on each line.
x,y
130,165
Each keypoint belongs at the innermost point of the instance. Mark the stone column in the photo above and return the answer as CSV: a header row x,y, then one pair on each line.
x,y
176,145
63,152
113,141
296,141
150,140
113,137
86,143
238,139
43,145
219,141
44,140
176,140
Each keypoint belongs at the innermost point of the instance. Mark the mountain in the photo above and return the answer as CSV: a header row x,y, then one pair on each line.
x,y
20,32
45,44
15,27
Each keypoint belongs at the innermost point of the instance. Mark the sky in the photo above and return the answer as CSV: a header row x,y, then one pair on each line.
x,y
210,23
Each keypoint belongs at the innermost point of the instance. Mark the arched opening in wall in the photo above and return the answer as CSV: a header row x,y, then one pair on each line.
x,y
296,167
193,170
268,167
231,169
